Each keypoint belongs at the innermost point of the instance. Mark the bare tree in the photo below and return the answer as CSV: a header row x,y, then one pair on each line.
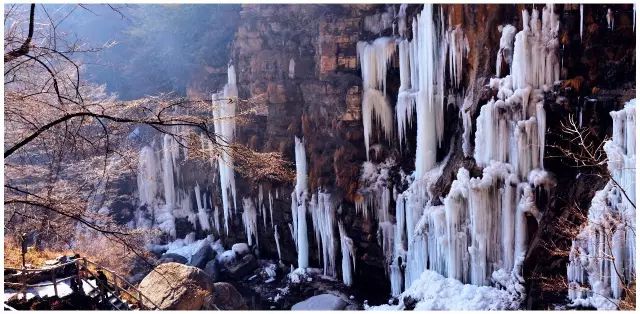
x,y
66,138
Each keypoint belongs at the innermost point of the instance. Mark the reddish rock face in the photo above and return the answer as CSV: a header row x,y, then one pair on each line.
x,y
320,97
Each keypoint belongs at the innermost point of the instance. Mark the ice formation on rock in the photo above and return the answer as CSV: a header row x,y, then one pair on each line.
x,y
405,106
374,59
147,176
323,216
292,68
299,203
203,216
434,292
271,208
479,233
380,21
158,190
535,55
582,20
402,20
348,256
250,220
506,47
602,257
276,236
224,111
458,47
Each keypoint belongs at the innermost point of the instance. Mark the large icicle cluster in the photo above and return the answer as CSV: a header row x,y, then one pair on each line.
x,y
159,178
535,56
479,234
224,111
422,64
159,192
322,207
602,258
374,59
323,216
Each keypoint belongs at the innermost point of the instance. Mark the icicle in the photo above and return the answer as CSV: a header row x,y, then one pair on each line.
x,y
323,216
203,216
610,19
250,220
167,172
148,170
292,68
262,207
430,83
458,47
374,60
374,103
224,110
299,205
276,235
348,256
506,47
216,219
541,119
271,207
582,20
402,20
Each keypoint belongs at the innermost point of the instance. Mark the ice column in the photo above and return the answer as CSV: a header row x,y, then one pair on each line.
x,y
348,256
224,111
250,220
299,205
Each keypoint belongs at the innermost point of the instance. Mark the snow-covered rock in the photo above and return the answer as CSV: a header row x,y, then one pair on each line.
x,y
432,291
327,302
240,248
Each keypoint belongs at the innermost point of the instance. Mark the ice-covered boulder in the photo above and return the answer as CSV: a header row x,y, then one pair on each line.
x,y
226,257
173,286
323,302
241,248
203,255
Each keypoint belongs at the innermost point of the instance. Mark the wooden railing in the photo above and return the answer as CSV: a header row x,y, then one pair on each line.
x,y
121,285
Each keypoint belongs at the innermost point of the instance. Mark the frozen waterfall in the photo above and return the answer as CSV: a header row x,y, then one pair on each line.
x,y
602,257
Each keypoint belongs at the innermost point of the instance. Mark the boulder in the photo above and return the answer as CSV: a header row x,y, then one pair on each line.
x,y
174,286
226,257
242,267
203,255
212,269
326,302
241,248
173,258
226,297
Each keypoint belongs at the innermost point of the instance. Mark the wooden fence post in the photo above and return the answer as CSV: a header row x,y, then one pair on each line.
x,y
53,279
24,283
140,304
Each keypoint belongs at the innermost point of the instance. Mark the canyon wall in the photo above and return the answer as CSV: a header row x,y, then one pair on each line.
x,y
300,67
